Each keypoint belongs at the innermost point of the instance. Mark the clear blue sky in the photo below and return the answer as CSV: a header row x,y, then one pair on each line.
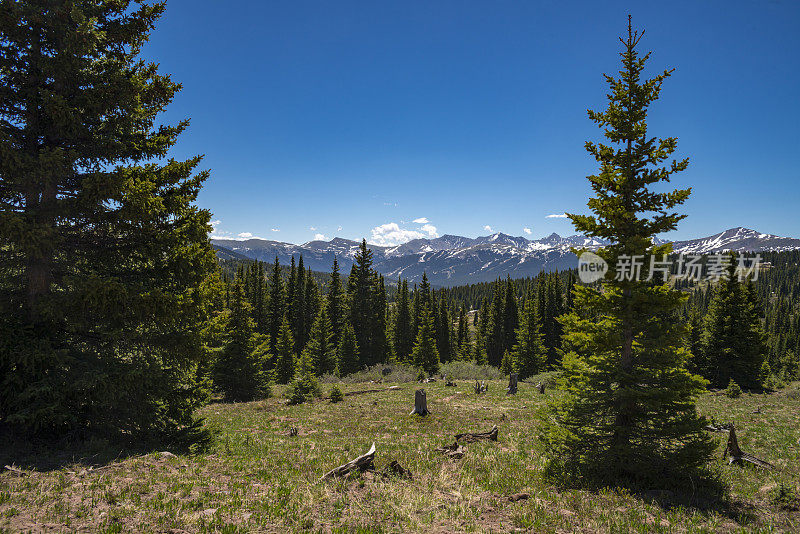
x,y
347,116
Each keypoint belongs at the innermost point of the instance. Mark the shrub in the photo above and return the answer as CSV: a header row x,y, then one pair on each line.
x,y
733,391
465,370
336,394
399,372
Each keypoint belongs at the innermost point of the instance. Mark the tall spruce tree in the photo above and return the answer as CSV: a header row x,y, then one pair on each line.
x,y
347,357
284,354
337,305
276,307
629,415
103,247
402,341
320,345
425,355
733,344
367,299
529,351
239,370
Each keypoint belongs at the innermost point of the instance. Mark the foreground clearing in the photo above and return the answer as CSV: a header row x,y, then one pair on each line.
x,y
256,477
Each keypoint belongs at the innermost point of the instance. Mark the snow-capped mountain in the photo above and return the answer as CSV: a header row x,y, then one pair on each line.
x,y
452,260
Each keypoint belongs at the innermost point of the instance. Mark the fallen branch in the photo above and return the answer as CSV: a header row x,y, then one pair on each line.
x,y
469,437
16,470
363,463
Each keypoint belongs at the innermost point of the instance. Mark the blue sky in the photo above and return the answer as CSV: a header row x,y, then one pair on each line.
x,y
357,119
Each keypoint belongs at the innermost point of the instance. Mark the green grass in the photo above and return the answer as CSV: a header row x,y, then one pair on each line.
x,y
257,478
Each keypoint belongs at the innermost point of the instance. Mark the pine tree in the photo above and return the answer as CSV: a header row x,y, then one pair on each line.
x,y
284,352
733,345
347,358
529,351
298,315
337,306
276,307
367,308
103,248
305,384
425,356
320,345
510,316
495,335
629,417
239,370
401,333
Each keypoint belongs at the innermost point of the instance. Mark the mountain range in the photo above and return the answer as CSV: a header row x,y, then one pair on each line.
x,y
454,260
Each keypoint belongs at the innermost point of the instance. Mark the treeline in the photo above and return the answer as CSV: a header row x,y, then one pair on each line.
x,y
272,317
272,320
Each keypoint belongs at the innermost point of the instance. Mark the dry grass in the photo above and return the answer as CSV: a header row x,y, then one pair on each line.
x,y
257,478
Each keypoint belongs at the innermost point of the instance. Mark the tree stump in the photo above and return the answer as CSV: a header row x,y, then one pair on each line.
x,y
512,384
480,387
540,388
420,403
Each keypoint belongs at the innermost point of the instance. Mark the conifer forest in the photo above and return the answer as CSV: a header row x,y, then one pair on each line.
x,y
160,375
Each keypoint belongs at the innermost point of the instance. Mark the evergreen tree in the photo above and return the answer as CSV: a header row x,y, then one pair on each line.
x,y
276,310
298,315
425,356
284,352
103,248
401,333
337,306
367,308
348,360
320,345
629,417
444,333
495,322
529,350
239,370
510,316
305,385
733,345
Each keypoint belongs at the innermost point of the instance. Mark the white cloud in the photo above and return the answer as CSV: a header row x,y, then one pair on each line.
x,y
557,216
312,228
390,234
487,228
216,223
422,220
339,229
527,231
245,235
274,229
320,237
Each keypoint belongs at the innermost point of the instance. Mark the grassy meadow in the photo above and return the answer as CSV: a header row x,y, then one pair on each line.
x,y
256,477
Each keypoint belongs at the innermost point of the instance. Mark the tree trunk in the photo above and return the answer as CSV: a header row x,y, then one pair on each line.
x,y
420,403
512,384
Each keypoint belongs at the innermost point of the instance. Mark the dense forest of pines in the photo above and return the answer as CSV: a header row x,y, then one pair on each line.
x,y
744,331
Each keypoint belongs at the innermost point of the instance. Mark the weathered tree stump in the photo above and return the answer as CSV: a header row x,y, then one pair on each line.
x,y
420,403
469,437
512,384
453,451
737,454
363,463
480,387
540,388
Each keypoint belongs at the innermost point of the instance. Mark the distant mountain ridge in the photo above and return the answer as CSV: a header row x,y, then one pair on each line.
x,y
453,260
